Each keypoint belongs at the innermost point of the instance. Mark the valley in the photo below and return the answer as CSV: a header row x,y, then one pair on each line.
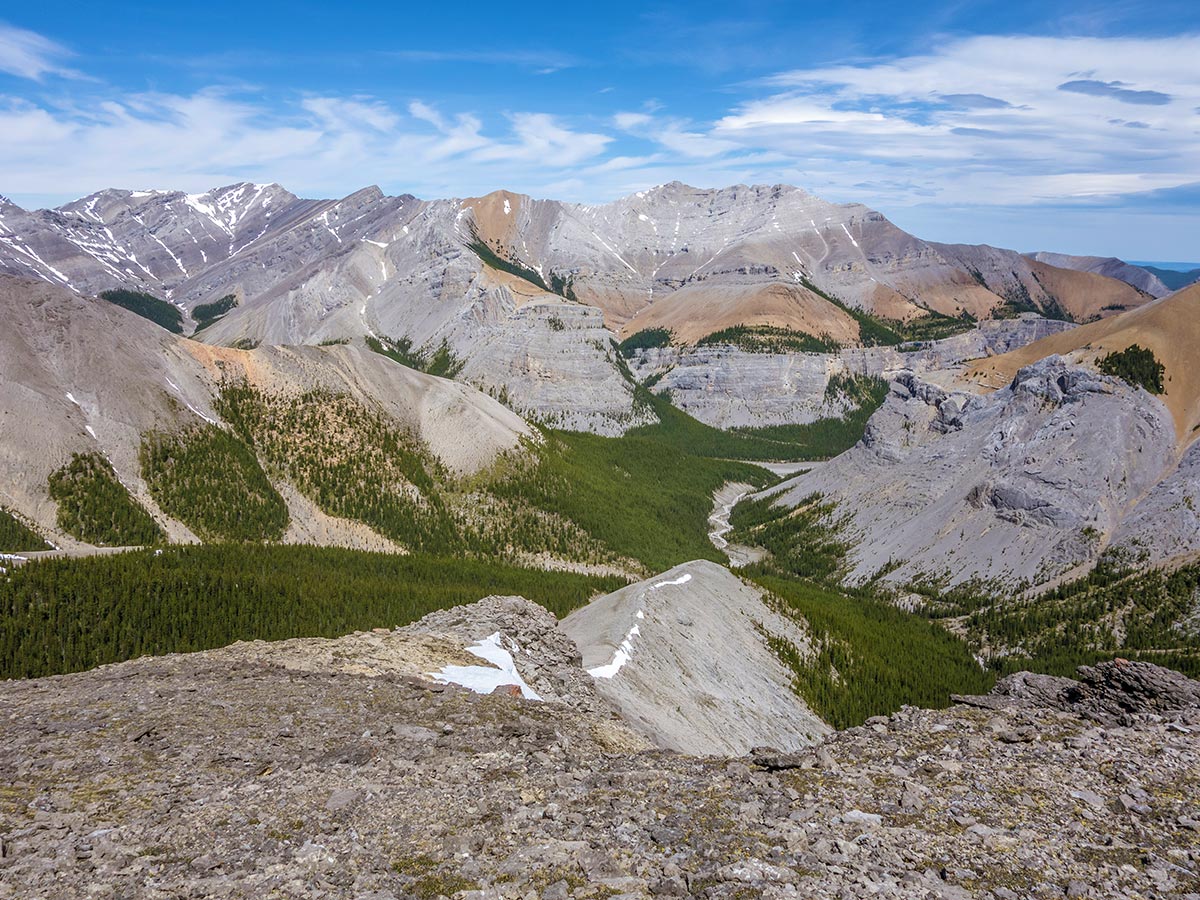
x,y
524,431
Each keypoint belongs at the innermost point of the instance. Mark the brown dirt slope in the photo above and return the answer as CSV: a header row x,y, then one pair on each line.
x,y
496,225
1170,327
1086,294
698,310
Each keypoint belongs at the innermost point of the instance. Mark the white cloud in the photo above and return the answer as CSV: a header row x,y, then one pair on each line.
x,y
540,138
319,144
29,55
338,114
991,119
627,121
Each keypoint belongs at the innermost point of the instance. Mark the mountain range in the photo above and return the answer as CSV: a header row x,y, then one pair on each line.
x,y
748,307
509,284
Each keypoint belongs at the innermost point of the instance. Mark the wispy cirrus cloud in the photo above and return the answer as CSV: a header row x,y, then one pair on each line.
x,y
318,143
541,61
992,119
27,54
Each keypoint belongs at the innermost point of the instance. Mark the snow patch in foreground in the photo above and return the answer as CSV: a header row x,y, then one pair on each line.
x,y
485,679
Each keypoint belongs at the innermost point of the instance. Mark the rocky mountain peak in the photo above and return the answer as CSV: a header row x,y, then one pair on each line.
x,y
363,196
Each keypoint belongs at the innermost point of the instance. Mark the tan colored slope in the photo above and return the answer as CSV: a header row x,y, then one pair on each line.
x,y
887,303
1170,327
494,224
1085,294
522,291
700,309
953,298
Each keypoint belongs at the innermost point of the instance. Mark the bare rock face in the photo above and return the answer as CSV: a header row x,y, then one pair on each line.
x,y
684,658
310,271
555,363
147,240
728,387
1166,522
1022,484
306,271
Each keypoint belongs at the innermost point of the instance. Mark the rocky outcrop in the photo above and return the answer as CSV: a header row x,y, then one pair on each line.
x,y
517,644
1112,693
1169,328
684,657
1166,522
555,363
1025,483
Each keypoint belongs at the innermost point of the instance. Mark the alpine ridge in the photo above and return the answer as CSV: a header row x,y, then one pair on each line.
x,y
508,284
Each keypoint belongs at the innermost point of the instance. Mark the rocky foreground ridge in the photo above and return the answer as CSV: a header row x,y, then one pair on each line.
x,y
357,768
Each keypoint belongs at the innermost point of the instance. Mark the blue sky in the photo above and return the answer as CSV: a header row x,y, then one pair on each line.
x,y
1052,125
